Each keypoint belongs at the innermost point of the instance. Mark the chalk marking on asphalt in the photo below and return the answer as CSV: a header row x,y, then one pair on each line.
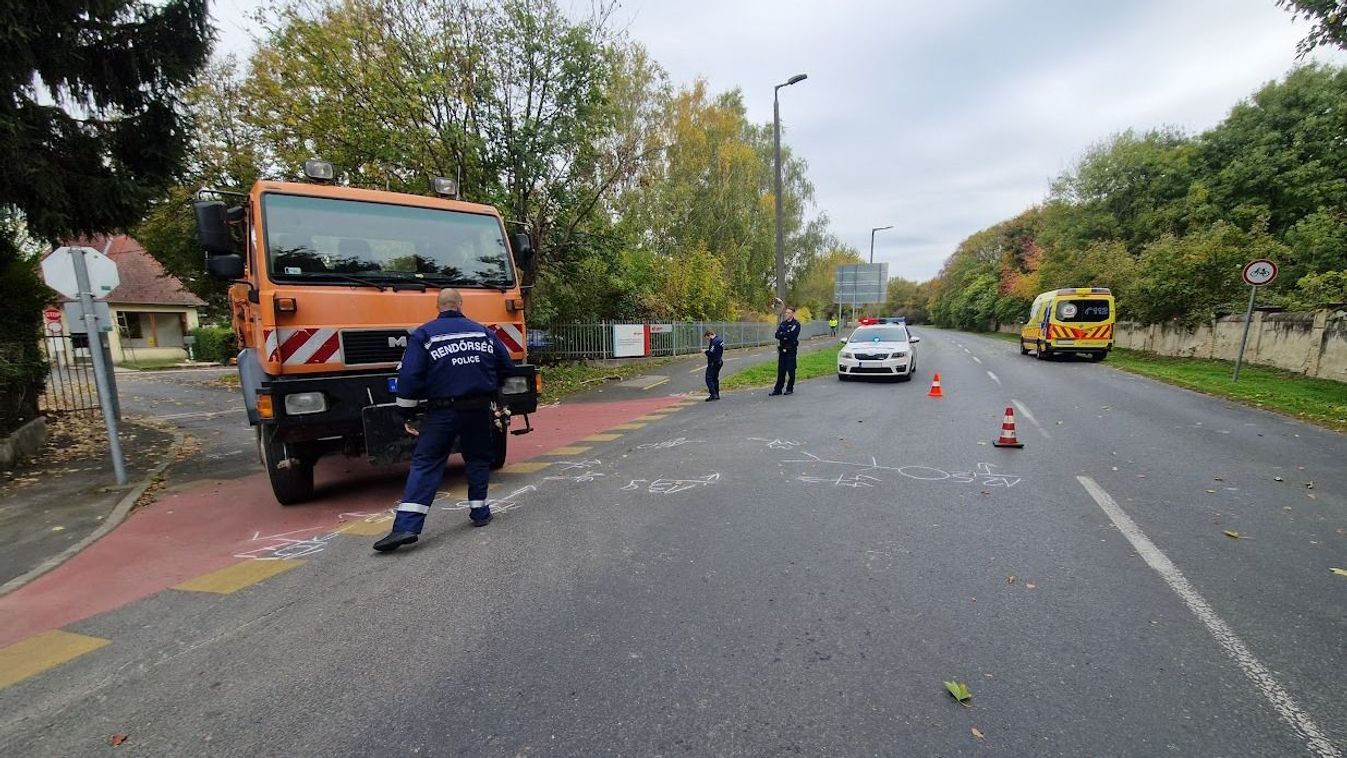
x,y
231,579
41,652
976,359
1024,411
994,377
568,450
600,438
1261,677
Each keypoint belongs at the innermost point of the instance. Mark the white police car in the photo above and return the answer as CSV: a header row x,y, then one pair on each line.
x,y
886,350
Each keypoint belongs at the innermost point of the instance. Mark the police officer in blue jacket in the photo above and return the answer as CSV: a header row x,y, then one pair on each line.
x,y
787,345
715,359
456,365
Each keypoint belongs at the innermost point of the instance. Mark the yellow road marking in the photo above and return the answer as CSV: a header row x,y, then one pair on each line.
x,y
368,528
665,380
45,651
601,438
568,450
231,579
653,417
527,467
629,427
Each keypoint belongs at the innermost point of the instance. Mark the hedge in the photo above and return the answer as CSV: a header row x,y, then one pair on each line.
x,y
214,343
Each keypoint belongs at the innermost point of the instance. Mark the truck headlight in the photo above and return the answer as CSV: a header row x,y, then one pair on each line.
x,y
301,403
515,385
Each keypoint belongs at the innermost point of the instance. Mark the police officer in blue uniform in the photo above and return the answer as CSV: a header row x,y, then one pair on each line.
x,y
787,345
456,365
715,359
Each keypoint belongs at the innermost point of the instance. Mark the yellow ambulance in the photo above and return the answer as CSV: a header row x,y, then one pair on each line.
x,y
1070,320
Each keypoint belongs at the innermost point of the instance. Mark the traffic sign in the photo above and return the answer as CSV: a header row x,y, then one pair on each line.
x,y
58,271
1260,272
52,314
54,328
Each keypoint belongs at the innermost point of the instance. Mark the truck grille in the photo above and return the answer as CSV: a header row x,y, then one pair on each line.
x,y
373,345
871,356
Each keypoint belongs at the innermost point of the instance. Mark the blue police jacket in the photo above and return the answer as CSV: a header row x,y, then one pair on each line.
x,y
451,357
788,336
715,352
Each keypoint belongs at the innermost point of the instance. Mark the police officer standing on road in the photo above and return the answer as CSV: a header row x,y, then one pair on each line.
x,y
715,359
787,344
456,365
832,324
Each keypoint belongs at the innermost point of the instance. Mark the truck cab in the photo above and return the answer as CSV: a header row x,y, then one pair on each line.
x,y
329,282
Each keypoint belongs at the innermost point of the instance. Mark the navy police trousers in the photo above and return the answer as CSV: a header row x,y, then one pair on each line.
x,y
439,428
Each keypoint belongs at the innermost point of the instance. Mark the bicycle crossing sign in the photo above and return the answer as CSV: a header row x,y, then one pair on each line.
x,y
1260,272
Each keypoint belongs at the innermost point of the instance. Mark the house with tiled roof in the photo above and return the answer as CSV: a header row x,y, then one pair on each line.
x,y
151,308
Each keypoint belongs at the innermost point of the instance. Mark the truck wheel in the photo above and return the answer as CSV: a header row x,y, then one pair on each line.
x,y
500,444
292,484
1023,350
1099,356
1042,353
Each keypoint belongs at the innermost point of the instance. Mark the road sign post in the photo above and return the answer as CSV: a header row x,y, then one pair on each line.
x,y
1256,274
56,271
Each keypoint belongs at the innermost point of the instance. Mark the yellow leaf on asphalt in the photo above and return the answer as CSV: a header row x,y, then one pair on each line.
x,y
1339,572
978,733
1231,533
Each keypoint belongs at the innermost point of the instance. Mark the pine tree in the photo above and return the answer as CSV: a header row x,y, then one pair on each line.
x,y
90,132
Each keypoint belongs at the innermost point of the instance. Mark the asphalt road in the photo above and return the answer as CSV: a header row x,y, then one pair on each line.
x,y
793,575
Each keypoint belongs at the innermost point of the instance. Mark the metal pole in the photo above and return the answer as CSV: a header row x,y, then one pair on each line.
x,y
872,245
1248,319
780,206
101,367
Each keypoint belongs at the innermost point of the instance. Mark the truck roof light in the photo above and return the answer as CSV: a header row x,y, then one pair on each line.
x,y
444,186
319,171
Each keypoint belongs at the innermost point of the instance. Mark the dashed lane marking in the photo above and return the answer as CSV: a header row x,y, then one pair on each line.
x,y
568,450
600,438
1281,701
994,377
231,579
977,360
1024,411
45,651
525,467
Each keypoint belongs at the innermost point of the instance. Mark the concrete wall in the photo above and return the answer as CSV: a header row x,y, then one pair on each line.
x,y
24,443
1314,343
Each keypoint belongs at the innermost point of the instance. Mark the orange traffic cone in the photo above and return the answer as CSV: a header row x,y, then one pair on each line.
x,y
1007,438
935,387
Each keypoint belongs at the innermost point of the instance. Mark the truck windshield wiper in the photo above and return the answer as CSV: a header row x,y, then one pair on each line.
x,y
440,280
344,278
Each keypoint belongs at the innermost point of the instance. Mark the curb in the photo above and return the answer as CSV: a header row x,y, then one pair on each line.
x,y
118,515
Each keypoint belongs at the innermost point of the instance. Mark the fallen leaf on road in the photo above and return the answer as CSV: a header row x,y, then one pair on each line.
x,y
119,738
1339,572
959,690
1231,533
58,528
1030,586
1010,579
1212,492
978,733
1217,478
1278,479
1309,485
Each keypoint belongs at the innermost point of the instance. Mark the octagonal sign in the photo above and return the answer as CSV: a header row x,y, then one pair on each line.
x,y
58,271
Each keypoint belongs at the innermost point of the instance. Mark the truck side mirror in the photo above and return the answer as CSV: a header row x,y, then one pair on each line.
x,y
228,266
212,227
523,249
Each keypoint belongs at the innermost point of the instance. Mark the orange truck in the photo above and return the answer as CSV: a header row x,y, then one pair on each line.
x,y
328,283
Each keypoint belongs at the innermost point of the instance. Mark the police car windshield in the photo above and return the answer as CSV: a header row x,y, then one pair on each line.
x,y
312,238
879,334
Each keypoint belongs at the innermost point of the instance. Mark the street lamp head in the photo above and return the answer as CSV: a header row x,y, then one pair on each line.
x,y
797,78
881,228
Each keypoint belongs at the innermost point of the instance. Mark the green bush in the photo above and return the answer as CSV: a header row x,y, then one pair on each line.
x,y
214,343
23,370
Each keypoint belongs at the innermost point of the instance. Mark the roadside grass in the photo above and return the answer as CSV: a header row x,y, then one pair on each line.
x,y
809,366
1322,402
150,365
562,379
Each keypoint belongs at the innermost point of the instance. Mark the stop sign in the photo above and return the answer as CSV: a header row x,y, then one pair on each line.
x,y
52,315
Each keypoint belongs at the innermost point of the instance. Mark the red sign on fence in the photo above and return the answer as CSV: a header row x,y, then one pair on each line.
x,y
53,315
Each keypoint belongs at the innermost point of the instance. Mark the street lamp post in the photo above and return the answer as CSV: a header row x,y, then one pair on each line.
x,y
872,240
780,207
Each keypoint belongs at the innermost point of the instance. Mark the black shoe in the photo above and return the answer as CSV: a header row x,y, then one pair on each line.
x,y
709,398
774,392
478,519
717,397
790,392
394,541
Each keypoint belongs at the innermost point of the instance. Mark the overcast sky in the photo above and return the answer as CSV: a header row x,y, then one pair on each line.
x,y
942,118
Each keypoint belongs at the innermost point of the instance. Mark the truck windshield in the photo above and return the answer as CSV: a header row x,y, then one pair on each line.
x,y
324,240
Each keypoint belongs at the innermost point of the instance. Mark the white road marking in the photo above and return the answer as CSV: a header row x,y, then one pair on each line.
x,y
977,359
966,350
994,377
1262,679
1024,411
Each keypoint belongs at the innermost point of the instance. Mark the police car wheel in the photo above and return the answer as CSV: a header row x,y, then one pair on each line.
x,y
292,484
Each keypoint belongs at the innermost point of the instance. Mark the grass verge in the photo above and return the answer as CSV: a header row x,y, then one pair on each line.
x,y
150,365
809,366
562,379
1322,402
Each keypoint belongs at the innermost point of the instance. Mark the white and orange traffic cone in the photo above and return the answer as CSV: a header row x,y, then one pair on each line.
x,y
1007,438
935,387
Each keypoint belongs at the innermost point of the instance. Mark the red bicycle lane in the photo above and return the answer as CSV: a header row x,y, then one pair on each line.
x,y
185,534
